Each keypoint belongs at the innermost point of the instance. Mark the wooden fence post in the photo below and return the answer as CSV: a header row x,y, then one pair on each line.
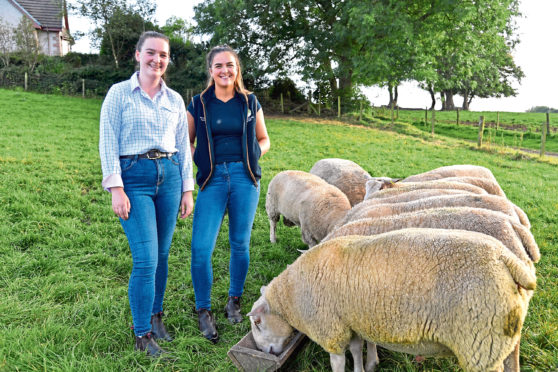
x,y
392,118
397,117
82,88
498,120
425,116
548,122
481,131
543,135
25,83
433,122
282,107
338,106
309,100
360,114
319,103
457,120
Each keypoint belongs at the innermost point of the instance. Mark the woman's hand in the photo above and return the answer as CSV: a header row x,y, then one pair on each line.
x,y
120,202
186,204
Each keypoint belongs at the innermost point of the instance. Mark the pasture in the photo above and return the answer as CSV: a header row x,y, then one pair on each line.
x,y
66,262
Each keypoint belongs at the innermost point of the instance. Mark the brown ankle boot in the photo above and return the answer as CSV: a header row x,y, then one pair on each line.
x,y
232,310
148,344
158,328
206,323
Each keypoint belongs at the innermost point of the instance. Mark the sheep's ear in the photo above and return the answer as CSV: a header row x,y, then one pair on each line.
x,y
373,185
394,180
259,311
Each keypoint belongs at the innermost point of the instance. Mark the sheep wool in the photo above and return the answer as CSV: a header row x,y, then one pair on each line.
x,y
513,235
492,202
346,175
377,189
421,291
458,170
307,201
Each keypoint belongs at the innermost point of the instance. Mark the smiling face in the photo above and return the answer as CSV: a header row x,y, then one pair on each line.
x,y
153,58
224,70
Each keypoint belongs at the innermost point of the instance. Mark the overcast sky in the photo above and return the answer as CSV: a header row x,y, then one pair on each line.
x,y
536,54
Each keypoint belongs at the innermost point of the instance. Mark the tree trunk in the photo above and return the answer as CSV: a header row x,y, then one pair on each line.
x,y
448,101
465,105
393,94
432,97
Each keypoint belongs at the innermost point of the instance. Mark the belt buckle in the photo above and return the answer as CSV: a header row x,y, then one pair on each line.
x,y
153,154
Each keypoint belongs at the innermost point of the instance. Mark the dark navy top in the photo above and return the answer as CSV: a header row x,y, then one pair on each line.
x,y
226,127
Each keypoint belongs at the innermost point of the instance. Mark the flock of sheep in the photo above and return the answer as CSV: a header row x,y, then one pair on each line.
x,y
439,263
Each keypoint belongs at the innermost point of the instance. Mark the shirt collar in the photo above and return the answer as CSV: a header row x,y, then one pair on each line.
x,y
134,83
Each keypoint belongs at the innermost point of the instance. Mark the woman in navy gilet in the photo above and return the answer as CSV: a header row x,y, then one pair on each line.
x,y
227,123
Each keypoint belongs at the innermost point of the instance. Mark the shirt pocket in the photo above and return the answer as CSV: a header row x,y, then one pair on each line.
x,y
169,116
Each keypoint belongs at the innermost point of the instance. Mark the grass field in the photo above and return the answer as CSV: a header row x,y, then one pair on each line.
x,y
66,262
515,130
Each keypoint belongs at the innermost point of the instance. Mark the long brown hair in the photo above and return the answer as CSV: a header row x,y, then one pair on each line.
x,y
238,82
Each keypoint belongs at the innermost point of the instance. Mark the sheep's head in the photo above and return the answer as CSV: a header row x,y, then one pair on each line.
x,y
375,184
270,331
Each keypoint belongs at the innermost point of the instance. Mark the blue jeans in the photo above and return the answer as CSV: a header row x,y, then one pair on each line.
x,y
154,189
230,189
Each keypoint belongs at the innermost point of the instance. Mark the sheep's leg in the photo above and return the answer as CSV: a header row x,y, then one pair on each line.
x,y
272,229
356,346
511,363
337,362
371,357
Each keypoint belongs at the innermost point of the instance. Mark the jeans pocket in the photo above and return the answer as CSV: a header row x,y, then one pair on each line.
x,y
174,159
128,163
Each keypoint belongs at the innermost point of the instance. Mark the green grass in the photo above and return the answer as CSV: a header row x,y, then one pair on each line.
x,y
66,262
515,130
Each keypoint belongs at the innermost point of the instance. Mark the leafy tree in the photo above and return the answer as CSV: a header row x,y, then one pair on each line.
x,y
6,41
27,43
115,22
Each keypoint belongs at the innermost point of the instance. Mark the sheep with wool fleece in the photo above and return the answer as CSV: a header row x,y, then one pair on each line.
x,y
377,188
370,208
496,224
419,291
346,175
457,170
305,200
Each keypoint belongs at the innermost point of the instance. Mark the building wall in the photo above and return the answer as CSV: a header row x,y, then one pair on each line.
x,y
51,42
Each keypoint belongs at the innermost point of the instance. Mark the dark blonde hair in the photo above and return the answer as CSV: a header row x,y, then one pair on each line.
x,y
238,82
148,35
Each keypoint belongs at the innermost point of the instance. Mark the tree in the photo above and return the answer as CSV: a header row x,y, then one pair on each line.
x,y
6,41
27,43
116,22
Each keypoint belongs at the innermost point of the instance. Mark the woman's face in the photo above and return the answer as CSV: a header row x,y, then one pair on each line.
x,y
153,57
224,69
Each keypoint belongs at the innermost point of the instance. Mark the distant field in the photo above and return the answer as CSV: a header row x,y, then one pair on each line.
x,y
66,262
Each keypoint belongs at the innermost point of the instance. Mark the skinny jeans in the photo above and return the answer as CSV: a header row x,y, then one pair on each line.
x,y
154,188
230,190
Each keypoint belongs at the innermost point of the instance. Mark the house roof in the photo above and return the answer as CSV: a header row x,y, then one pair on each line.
x,y
45,13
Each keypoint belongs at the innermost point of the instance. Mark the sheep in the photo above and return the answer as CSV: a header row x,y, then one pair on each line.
x,y
513,235
307,201
414,195
346,175
366,209
377,188
419,291
460,170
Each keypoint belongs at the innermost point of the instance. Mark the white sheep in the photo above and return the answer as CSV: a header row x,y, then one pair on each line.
x,y
513,235
460,170
414,195
380,188
307,201
370,208
420,291
346,175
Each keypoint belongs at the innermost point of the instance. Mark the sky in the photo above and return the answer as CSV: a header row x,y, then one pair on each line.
x,y
536,54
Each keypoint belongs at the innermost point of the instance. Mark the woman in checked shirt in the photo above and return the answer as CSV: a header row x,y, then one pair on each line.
x,y
147,167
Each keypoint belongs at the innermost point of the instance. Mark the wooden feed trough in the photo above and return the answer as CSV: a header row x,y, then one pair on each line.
x,y
246,356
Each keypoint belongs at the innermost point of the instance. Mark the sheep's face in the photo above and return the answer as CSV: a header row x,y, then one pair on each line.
x,y
270,331
375,184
